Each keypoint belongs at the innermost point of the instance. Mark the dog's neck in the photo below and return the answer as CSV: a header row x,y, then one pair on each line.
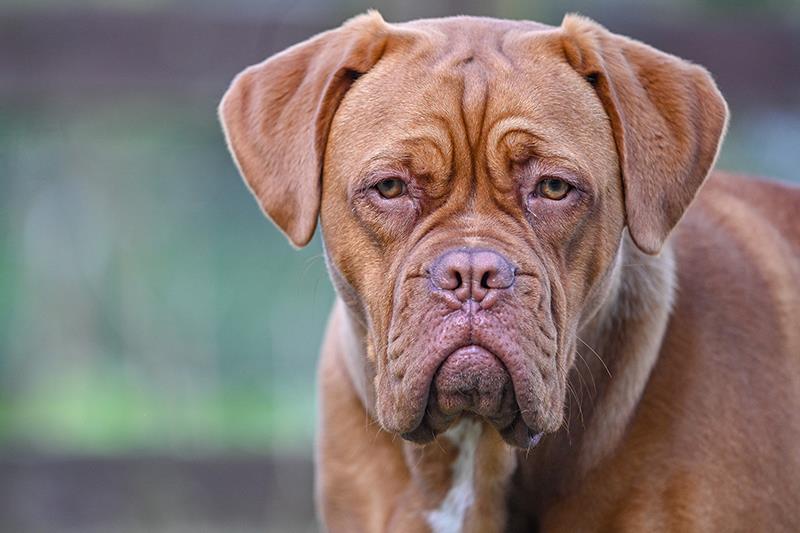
x,y
617,346
616,349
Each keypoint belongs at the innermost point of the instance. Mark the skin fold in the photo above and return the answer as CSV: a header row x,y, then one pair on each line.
x,y
507,356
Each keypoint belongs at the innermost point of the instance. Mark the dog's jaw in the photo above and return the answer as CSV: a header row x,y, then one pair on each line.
x,y
639,302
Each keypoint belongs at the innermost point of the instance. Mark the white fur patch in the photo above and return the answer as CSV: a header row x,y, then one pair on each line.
x,y
449,516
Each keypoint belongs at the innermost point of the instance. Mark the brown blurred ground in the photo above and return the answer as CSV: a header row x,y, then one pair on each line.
x,y
145,494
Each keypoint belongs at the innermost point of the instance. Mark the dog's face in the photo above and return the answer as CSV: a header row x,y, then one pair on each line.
x,y
477,179
472,202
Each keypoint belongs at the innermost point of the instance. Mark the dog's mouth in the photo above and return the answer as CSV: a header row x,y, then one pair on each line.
x,y
473,382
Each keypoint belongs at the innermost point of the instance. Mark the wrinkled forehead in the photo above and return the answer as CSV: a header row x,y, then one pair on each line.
x,y
486,88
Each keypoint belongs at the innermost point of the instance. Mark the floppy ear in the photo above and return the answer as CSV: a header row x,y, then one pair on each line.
x,y
667,117
276,116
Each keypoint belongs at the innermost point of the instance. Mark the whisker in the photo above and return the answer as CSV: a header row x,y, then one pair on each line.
x,y
577,401
310,263
439,444
597,355
567,427
591,374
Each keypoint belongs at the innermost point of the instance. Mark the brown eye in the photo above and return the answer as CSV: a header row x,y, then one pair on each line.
x,y
553,188
391,188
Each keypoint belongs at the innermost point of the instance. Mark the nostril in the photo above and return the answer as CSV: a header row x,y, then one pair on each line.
x,y
470,273
492,271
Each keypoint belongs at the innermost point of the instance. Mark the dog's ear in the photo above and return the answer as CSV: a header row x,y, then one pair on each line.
x,y
276,117
667,117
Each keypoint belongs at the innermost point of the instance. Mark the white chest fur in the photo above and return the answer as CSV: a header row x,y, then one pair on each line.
x,y
449,516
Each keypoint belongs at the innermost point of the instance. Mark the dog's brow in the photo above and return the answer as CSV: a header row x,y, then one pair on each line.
x,y
508,124
500,152
422,154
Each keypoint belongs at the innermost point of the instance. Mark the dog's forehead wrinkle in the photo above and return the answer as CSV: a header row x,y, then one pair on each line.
x,y
465,134
474,102
467,57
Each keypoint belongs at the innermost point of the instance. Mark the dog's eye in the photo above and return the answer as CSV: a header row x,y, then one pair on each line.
x,y
391,188
553,188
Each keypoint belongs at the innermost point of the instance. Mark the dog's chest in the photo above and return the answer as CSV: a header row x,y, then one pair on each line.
x,y
449,516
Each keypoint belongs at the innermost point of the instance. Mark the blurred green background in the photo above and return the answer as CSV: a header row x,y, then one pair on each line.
x,y
156,332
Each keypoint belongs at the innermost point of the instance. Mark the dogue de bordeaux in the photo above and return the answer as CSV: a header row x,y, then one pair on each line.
x,y
549,316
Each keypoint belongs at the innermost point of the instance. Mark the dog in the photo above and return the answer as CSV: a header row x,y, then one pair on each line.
x,y
551,314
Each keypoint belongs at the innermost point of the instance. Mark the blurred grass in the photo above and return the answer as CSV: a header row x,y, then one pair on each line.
x,y
146,301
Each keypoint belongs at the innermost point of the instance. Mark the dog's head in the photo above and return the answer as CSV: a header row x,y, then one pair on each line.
x,y
473,178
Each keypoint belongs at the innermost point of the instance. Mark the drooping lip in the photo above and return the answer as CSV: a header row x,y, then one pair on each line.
x,y
520,435
493,395
515,432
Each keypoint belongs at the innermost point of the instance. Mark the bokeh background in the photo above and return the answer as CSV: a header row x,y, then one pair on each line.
x,y
158,336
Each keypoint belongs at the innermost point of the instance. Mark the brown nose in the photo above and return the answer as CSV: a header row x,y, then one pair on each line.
x,y
472,273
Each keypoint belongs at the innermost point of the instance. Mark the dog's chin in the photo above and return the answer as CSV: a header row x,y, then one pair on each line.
x,y
516,434
473,382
